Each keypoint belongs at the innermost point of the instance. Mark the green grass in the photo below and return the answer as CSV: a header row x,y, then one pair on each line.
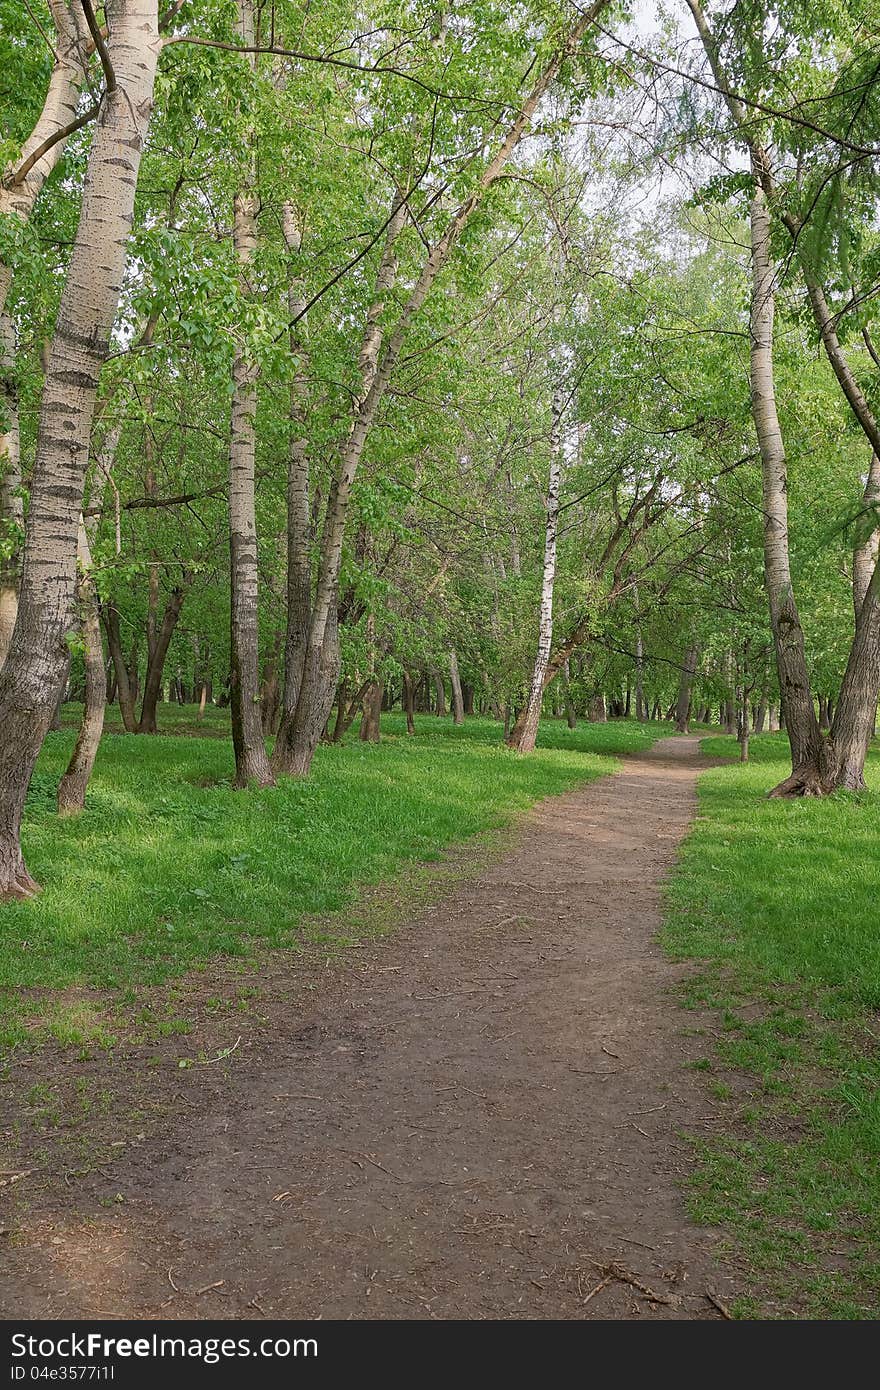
x,y
169,867
781,900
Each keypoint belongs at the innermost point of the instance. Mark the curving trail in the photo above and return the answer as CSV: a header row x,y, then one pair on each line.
x,y
480,1118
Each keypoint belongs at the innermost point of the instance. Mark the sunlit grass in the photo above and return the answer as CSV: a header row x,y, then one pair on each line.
x,y
782,900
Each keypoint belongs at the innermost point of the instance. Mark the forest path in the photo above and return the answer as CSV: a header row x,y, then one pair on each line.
x,y
480,1118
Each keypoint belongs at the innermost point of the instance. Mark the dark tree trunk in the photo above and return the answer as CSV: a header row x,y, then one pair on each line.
x,y
126,698
300,734
742,725
440,688
270,698
570,712
455,682
153,682
409,701
855,715
730,716
685,686
370,718
824,720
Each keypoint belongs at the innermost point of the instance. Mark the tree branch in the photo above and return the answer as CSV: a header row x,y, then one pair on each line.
x,y
100,45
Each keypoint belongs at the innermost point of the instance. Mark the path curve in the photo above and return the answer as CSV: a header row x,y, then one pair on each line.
x,y
482,1121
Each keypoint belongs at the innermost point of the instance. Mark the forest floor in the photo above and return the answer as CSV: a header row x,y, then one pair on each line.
x,y
480,1116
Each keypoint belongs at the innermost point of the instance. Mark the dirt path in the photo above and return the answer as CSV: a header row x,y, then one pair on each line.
x,y
479,1118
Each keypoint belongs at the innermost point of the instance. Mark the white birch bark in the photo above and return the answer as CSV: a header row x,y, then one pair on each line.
x,y
35,664
524,734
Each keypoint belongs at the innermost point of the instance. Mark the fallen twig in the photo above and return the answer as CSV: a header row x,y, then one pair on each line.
x,y
16,1177
598,1289
221,1056
716,1303
617,1271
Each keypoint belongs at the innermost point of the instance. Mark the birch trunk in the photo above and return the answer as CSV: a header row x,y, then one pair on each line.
x,y
524,733
73,785
251,759
18,195
299,560
35,663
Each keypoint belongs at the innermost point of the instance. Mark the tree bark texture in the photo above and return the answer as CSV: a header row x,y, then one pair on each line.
x,y
685,688
35,663
251,759
524,734
73,785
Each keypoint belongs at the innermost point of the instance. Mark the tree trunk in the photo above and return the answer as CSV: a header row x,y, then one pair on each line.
x,y
370,731
761,715
11,505
824,721
409,701
124,692
455,682
641,703
440,688
34,669
598,709
153,681
270,695
251,759
855,714
742,724
794,683
524,734
685,686
570,711
18,195
865,551
299,560
72,787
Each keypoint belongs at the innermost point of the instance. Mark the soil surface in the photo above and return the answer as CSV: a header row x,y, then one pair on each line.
x,y
479,1116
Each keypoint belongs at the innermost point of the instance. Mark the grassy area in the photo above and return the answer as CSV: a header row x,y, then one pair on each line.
x,y
169,867
781,900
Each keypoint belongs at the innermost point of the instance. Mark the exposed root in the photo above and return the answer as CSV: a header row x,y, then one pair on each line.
x,y
801,783
20,887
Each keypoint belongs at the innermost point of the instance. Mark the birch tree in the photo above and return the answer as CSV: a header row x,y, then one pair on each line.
x,y
36,660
